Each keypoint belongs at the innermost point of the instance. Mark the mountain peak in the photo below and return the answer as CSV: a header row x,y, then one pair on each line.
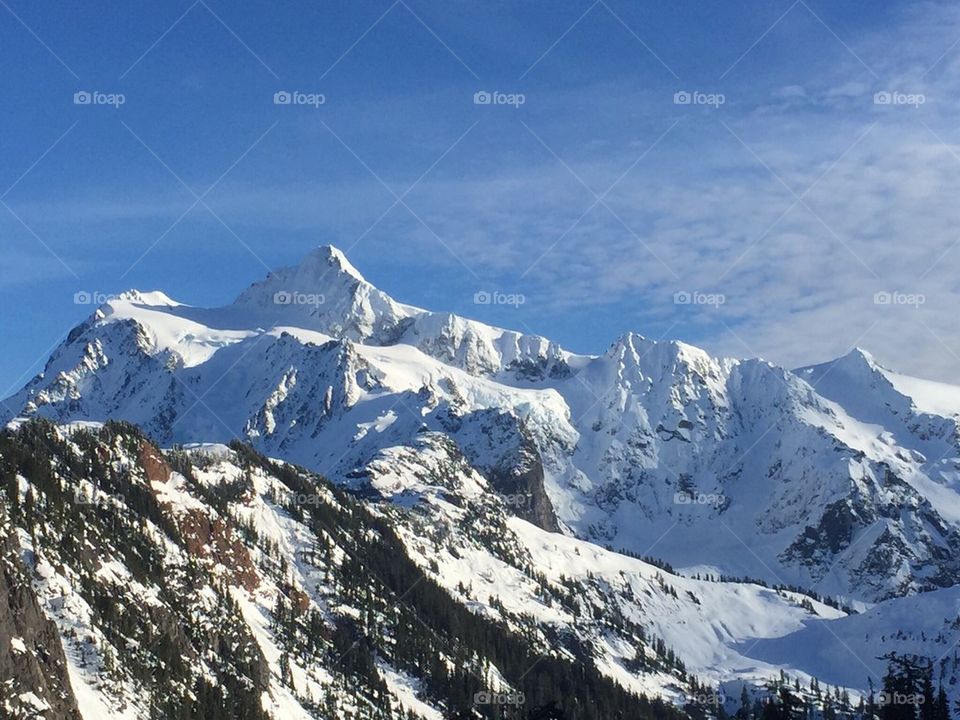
x,y
639,346
324,292
325,272
628,341
845,379
858,354
857,362
329,257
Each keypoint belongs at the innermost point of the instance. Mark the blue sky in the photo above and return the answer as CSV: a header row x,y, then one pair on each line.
x,y
784,189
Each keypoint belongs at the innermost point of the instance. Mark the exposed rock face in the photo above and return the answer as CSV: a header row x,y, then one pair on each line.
x,y
155,467
499,446
205,535
33,669
522,485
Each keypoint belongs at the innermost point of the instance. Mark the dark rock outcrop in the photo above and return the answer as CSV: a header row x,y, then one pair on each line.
x,y
33,668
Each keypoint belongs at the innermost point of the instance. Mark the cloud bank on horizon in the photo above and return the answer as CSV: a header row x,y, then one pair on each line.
x,y
774,180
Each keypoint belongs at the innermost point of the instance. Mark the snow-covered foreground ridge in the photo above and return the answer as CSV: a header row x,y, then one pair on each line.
x,y
841,477
212,582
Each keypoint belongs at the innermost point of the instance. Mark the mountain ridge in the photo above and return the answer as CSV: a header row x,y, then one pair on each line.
x,y
315,365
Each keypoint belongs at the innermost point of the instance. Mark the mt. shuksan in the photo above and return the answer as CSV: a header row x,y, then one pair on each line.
x,y
841,477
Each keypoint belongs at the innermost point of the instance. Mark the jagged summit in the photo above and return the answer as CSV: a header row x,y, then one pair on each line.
x,y
640,345
859,352
325,292
325,270
333,257
322,262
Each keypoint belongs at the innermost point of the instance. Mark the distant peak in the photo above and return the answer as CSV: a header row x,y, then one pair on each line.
x,y
324,292
323,274
860,357
633,348
857,362
629,339
861,354
330,257
640,343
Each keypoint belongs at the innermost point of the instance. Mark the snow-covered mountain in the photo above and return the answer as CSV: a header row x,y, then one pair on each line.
x,y
841,477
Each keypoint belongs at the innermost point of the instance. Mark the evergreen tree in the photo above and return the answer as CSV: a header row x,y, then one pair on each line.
x,y
928,699
942,705
744,712
904,689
